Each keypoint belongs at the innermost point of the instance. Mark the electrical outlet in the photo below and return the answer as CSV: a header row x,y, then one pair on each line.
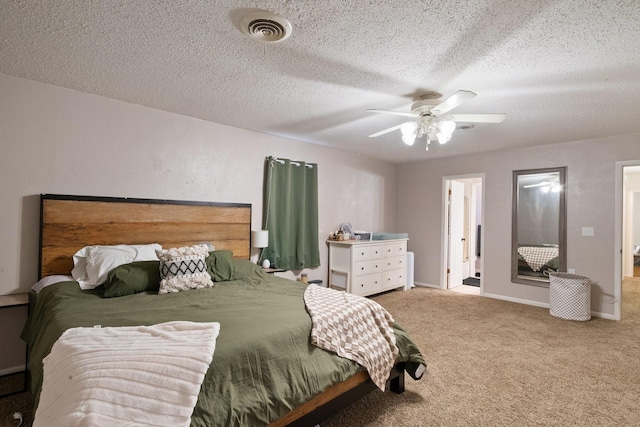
x,y
587,231
571,271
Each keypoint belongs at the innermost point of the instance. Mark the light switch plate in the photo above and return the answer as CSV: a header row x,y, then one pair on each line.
x,y
587,231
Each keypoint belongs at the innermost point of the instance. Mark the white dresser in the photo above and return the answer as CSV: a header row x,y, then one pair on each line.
x,y
367,267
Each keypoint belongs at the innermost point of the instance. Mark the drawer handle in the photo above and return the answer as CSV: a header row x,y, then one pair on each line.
x,y
362,253
362,268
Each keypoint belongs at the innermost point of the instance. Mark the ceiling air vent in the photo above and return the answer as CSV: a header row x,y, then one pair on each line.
x,y
265,26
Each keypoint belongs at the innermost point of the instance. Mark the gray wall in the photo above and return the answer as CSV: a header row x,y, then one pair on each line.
x,y
56,140
590,202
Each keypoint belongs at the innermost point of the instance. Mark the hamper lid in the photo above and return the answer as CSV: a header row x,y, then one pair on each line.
x,y
569,276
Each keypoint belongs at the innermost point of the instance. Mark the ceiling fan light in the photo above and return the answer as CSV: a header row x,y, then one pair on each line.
x,y
447,126
409,130
443,137
409,139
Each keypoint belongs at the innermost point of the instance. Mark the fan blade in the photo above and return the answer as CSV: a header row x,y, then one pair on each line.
x,y
453,101
397,113
478,118
382,132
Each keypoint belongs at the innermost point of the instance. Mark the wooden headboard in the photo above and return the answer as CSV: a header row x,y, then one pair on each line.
x,y
69,223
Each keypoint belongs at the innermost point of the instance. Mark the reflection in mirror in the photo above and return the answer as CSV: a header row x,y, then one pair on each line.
x,y
539,238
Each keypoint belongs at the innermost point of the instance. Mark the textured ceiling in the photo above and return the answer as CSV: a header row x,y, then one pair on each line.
x,y
561,70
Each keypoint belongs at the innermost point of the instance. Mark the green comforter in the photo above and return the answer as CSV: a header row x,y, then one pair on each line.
x,y
263,365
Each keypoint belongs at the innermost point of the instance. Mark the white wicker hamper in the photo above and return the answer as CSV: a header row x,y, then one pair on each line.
x,y
570,296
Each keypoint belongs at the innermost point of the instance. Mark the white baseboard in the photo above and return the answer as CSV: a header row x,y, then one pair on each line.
x,y
543,305
521,301
517,300
603,315
426,285
12,370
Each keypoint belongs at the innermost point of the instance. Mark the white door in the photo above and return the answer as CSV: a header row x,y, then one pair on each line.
x,y
456,233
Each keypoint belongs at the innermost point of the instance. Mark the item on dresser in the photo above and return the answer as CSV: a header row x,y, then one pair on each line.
x,y
362,235
389,236
368,267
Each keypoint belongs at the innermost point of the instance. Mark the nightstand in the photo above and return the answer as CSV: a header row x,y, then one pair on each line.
x,y
273,270
11,301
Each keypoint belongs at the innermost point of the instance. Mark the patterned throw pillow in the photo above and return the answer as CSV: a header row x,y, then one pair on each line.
x,y
183,268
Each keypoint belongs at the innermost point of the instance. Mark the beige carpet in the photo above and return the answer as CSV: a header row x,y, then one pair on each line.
x,y
495,363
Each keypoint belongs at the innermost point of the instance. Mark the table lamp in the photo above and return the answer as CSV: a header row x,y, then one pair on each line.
x,y
260,239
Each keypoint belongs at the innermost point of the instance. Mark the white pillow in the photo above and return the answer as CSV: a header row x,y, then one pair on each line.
x,y
50,280
92,264
183,268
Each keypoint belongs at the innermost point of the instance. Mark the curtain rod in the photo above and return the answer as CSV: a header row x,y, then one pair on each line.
x,y
282,162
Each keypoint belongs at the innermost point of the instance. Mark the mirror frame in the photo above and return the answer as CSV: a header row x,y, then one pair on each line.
x,y
562,225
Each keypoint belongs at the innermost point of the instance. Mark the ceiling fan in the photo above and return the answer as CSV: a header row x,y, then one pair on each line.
x,y
432,120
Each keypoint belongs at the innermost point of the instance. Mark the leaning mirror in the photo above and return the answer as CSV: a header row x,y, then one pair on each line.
x,y
539,237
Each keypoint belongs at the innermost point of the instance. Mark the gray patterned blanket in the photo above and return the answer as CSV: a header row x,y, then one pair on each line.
x,y
353,327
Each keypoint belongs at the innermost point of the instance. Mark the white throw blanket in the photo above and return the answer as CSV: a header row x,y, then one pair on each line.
x,y
353,327
126,376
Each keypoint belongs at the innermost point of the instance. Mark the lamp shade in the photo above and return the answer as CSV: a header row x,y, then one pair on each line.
x,y
260,238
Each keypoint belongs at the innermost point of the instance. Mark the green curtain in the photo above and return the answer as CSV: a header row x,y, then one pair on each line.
x,y
290,214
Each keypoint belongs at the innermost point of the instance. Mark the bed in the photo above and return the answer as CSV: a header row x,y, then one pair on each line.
x,y
264,370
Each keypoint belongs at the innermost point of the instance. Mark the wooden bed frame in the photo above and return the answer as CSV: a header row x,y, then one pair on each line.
x,y
69,223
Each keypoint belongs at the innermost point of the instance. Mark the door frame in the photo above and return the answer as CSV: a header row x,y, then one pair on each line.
x,y
455,265
619,229
444,239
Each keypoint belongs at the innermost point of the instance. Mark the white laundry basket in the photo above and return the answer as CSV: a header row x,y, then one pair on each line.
x,y
570,296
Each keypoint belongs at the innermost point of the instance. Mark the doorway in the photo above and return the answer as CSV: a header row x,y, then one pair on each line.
x,y
462,233
627,292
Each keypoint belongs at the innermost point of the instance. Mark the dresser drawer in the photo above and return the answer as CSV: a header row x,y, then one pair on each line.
x,y
364,253
394,249
394,262
366,285
368,267
394,278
